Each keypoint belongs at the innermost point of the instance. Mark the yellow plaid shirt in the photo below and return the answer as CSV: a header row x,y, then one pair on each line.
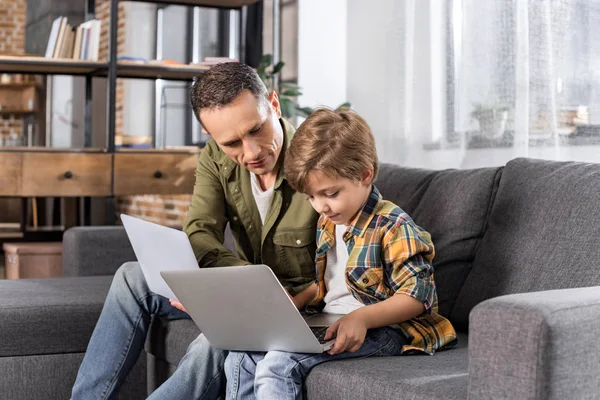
x,y
388,254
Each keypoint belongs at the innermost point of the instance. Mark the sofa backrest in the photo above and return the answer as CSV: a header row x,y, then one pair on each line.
x,y
453,206
543,233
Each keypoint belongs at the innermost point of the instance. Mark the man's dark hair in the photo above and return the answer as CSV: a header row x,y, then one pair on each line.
x,y
222,84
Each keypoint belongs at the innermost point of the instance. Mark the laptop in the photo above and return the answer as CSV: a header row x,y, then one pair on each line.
x,y
159,248
245,308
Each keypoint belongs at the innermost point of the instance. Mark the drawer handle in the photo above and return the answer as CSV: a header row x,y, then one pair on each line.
x,y
158,174
68,175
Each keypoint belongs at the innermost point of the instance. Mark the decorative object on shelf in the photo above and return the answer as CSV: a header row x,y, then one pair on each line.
x,y
492,119
287,91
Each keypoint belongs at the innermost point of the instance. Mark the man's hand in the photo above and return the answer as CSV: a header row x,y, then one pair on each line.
x,y
177,305
351,330
304,297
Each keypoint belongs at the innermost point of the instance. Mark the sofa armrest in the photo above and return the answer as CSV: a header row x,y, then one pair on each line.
x,y
95,250
540,345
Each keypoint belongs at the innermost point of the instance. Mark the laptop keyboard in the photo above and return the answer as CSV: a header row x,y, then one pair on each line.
x,y
319,332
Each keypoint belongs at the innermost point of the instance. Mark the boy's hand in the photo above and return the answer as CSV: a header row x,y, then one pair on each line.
x,y
177,305
351,330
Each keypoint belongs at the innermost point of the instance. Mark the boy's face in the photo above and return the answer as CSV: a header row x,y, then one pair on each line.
x,y
248,131
339,199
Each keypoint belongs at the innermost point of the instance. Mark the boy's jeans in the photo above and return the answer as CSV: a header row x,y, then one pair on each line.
x,y
119,337
280,375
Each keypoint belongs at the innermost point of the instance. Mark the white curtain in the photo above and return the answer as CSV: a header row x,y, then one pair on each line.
x,y
473,83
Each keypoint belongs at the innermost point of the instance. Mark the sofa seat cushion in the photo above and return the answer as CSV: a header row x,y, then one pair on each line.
x,y
441,376
49,316
543,234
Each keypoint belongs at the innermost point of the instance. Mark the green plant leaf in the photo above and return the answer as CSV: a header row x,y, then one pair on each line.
x,y
287,107
344,105
287,85
291,92
277,68
266,60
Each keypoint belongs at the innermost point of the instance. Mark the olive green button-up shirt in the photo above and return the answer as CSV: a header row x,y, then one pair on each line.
x,y
223,194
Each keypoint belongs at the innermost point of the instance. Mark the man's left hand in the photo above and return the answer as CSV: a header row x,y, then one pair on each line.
x,y
351,331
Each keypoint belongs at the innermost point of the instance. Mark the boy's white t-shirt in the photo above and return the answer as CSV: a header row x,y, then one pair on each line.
x,y
338,299
261,197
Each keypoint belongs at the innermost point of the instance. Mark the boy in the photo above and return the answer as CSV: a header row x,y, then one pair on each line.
x,y
373,263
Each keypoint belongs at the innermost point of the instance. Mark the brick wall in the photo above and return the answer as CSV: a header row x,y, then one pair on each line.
x,y
164,210
12,40
12,26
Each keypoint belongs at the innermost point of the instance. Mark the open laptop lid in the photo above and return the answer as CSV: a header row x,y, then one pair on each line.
x,y
159,248
242,308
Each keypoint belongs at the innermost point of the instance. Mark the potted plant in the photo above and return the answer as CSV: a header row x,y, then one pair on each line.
x,y
492,119
287,91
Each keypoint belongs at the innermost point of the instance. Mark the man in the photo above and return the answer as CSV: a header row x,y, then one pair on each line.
x,y
240,181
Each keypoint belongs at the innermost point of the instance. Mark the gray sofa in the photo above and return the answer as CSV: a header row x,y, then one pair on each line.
x,y
517,270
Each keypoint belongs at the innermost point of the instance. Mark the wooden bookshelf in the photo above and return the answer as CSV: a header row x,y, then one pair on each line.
x,y
44,172
204,3
50,66
8,111
158,71
103,172
19,85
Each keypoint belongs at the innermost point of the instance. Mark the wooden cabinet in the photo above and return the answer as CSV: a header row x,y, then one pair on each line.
x,y
65,174
10,173
154,173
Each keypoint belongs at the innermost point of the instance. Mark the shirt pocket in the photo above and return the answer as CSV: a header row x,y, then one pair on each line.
x,y
296,252
368,280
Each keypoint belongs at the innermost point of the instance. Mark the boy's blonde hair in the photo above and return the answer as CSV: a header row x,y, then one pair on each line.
x,y
337,143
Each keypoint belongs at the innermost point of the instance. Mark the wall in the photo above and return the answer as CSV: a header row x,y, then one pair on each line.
x,y
12,40
164,210
322,52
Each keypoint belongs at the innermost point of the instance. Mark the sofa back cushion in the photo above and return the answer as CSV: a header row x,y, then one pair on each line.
x,y
543,233
452,206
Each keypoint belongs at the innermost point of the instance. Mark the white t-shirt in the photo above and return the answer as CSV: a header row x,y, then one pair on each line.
x,y
261,197
338,299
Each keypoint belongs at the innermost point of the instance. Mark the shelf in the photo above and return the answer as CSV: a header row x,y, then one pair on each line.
x,y
158,71
46,66
18,85
9,111
38,149
204,3
50,66
11,235
168,150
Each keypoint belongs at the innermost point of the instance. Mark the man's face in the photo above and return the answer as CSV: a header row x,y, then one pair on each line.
x,y
339,199
248,131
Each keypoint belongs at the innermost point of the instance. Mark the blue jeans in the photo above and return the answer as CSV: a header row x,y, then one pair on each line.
x,y
118,341
280,375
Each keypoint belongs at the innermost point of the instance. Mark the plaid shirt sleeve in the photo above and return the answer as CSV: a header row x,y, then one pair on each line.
x,y
407,252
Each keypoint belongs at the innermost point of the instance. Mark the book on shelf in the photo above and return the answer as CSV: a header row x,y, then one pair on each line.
x,y
79,43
